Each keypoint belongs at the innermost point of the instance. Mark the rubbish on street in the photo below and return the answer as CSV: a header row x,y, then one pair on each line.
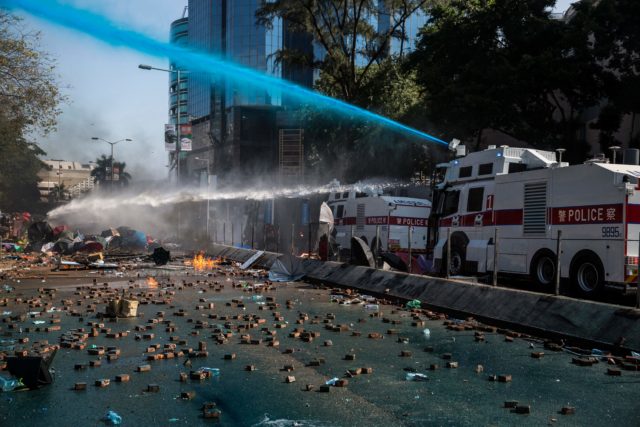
x,y
414,304
10,384
113,418
161,256
122,308
286,268
32,370
416,376
332,381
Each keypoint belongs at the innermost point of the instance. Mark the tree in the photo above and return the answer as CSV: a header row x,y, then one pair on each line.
x,y
102,171
356,65
58,193
338,145
613,25
29,99
507,65
19,165
123,177
28,85
348,34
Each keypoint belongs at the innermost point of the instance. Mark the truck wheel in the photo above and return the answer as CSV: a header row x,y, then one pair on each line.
x,y
587,275
543,268
456,261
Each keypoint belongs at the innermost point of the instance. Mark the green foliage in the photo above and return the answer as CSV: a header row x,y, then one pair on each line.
x,y
348,148
347,32
616,46
103,175
356,67
29,92
29,100
19,165
58,193
508,65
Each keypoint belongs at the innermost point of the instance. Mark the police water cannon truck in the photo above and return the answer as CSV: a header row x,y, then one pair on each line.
x,y
385,223
525,199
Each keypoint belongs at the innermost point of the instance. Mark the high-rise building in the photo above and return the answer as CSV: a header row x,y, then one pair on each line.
x,y
236,125
178,90
178,94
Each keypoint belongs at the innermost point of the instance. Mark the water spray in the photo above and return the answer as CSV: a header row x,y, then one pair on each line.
x,y
97,202
109,32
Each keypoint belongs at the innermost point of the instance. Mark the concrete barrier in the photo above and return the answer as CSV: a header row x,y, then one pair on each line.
x,y
590,322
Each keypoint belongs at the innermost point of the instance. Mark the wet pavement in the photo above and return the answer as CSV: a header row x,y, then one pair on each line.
x,y
389,342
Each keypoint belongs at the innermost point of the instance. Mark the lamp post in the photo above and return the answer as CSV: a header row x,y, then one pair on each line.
x,y
178,73
208,188
59,174
95,138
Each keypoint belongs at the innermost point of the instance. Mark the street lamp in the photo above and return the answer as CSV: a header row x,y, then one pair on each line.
x,y
95,138
178,74
208,188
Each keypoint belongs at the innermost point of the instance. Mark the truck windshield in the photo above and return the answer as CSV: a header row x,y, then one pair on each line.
x,y
450,205
439,175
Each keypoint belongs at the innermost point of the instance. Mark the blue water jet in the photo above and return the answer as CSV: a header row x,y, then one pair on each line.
x,y
107,31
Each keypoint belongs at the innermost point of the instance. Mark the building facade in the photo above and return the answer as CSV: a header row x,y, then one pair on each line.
x,y
74,176
178,90
235,125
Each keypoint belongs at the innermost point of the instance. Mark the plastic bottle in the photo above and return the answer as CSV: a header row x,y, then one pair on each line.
x,y
8,384
214,371
113,418
332,381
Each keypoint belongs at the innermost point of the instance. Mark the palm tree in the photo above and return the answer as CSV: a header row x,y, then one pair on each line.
x,y
124,177
58,193
102,171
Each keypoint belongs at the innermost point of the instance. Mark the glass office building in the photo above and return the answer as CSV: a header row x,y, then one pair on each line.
x,y
237,124
178,91
228,28
241,120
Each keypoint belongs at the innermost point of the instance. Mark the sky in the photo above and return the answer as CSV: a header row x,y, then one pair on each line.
x,y
109,97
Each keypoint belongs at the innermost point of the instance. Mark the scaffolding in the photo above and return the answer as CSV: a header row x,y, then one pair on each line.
x,y
291,155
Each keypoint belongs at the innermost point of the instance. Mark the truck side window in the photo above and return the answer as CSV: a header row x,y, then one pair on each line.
x,y
345,195
475,199
451,200
340,211
465,172
517,167
485,169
